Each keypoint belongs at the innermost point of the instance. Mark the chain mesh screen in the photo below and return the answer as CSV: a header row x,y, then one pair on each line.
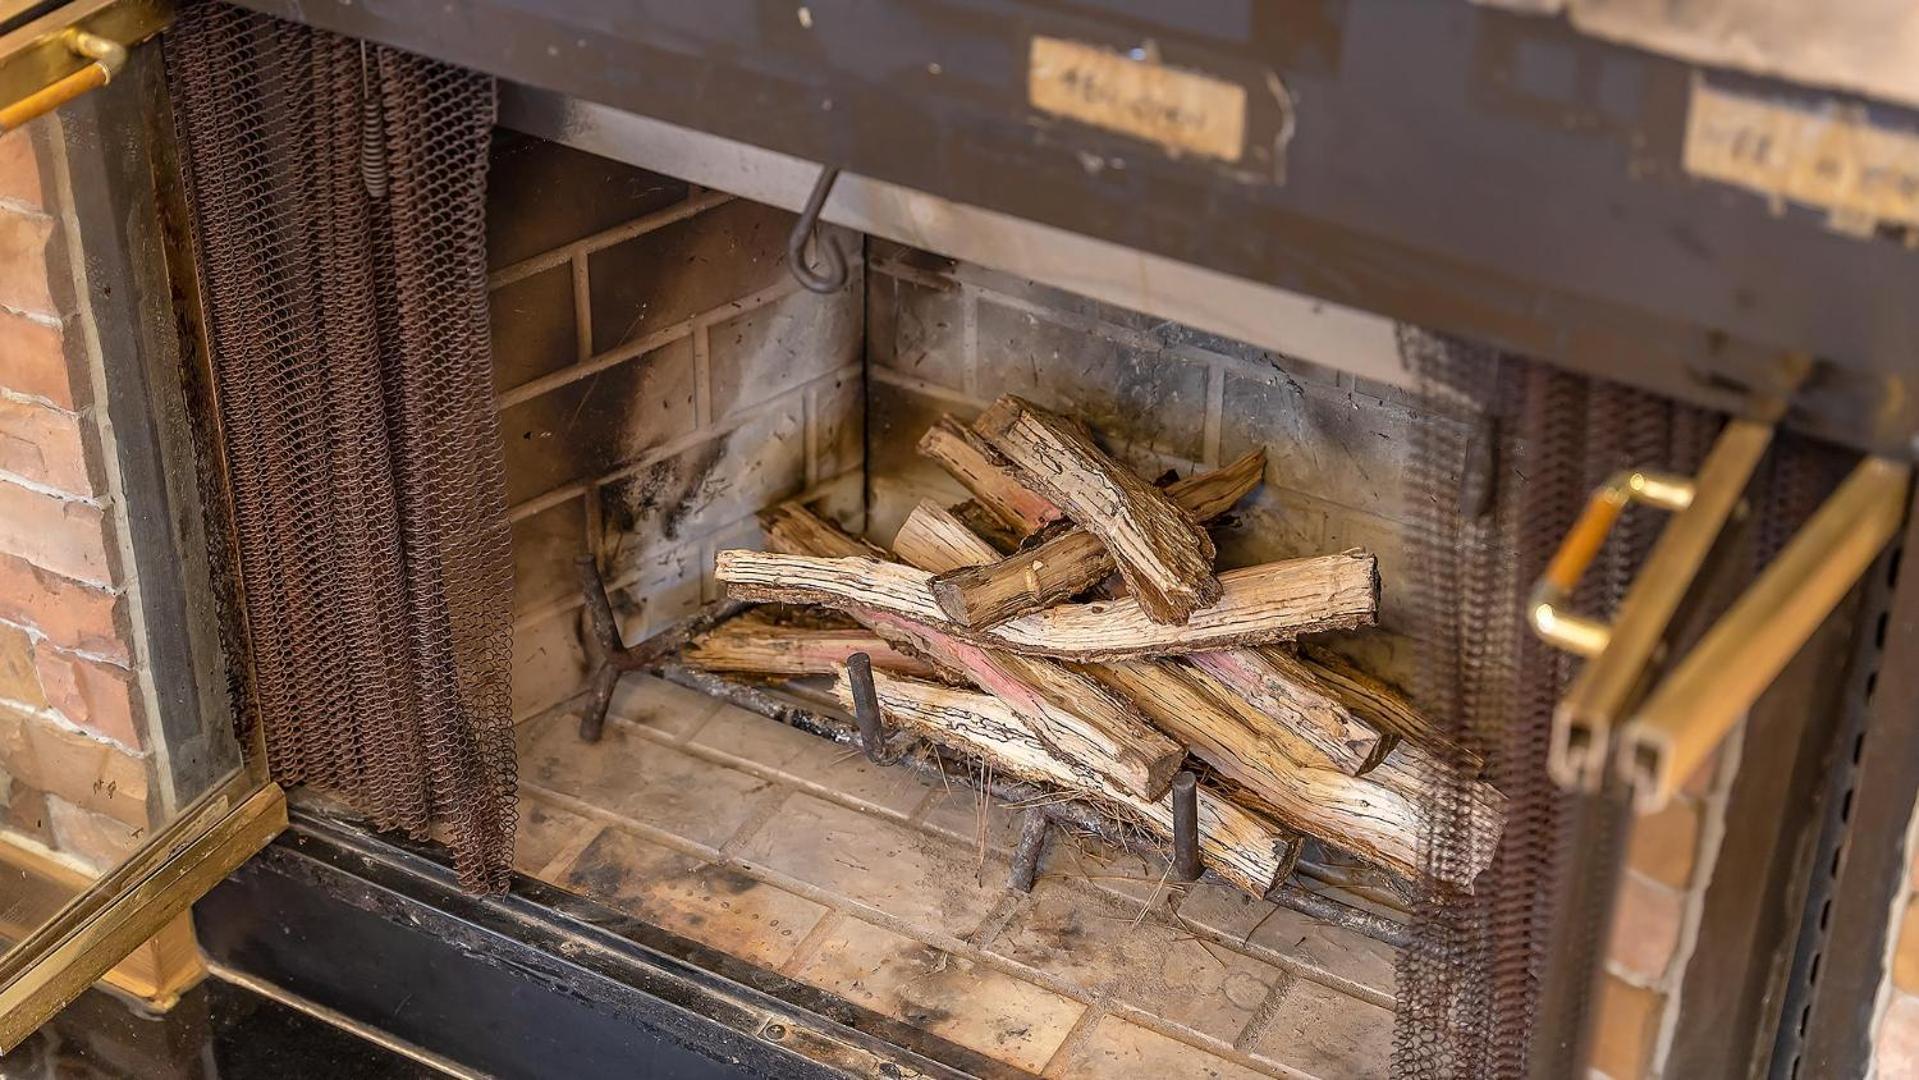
x,y
338,195
1469,984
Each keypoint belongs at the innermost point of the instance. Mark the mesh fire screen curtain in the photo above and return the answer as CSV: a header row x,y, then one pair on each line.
x,y
338,192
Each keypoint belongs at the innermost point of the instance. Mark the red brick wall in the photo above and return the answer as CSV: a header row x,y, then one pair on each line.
x,y
74,764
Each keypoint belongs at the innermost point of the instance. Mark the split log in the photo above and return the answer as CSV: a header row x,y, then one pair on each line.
x,y
1242,847
935,539
1164,555
1078,716
759,647
792,528
1076,560
1384,818
1377,703
1259,605
981,470
1280,686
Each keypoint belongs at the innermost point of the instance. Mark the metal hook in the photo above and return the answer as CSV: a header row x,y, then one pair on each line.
x,y
834,277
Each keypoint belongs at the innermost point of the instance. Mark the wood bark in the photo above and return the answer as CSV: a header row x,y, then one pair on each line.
x,y
1164,555
1244,848
1076,560
1259,605
1385,818
796,530
1076,714
981,470
1281,686
1378,704
760,647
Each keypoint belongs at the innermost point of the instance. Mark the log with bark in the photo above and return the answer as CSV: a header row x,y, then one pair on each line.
x,y
981,470
1385,817
1074,561
1280,686
756,646
1375,702
792,528
1258,605
1163,553
935,539
1241,846
1075,714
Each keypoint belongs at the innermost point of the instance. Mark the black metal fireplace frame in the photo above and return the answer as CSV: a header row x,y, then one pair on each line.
x,y
1687,288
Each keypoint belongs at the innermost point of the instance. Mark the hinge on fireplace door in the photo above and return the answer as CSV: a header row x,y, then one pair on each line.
x,y
51,54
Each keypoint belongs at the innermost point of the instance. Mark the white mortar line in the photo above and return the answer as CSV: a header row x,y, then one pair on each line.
x,y
732,423
51,492
692,205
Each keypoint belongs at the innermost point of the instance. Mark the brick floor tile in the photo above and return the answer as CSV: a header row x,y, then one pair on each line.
x,y
960,1000
810,761
1330,953
637,778
1324,1033
717,905
877,864
1103,945
1120,1050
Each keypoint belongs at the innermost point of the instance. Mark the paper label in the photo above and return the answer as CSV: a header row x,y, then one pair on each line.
x,y
1182,111
1833,158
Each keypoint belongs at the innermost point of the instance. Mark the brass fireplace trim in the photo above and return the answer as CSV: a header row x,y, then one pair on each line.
x,y
135,901
1602,691
1694,708
69,51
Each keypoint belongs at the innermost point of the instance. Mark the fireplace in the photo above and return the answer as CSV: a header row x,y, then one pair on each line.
x,y
664,380
487,482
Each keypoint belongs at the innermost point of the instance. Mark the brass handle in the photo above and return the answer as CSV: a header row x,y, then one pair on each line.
x,y
107,57
1692,711
1552,595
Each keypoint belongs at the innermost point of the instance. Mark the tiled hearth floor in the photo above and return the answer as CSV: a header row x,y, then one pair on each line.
x,y
888,889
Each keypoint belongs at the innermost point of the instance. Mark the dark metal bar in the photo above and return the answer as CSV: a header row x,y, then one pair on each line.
x,y
602,645
866,707
833,278
1033,827
1186,827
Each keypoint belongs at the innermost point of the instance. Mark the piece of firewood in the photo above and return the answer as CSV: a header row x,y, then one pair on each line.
x,y
760,647
935,539
1079,717
792,528
1165,556
1380,705
1384,818
981,470
1280,685
1243,848
1076,560
1259,605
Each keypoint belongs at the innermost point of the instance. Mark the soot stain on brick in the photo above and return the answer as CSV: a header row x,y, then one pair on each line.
x,y
666,492
730,880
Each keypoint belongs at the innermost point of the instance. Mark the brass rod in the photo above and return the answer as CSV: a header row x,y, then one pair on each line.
x,y
107,59
1689,714
1602,691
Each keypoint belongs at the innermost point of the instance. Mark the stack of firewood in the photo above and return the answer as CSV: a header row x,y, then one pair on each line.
x,y
1067,626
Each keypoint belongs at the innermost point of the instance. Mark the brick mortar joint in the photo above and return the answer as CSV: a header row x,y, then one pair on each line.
x,y
39,639
61,722
94,501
